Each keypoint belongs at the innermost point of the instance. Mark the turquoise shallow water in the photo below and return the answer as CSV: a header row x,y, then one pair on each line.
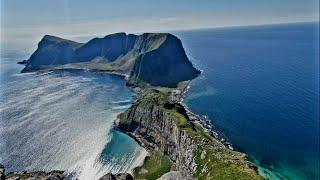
x,y
260,88
63,120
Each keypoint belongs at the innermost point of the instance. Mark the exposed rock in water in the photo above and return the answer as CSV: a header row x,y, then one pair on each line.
x,y
156,59
22,62
119,176
157,122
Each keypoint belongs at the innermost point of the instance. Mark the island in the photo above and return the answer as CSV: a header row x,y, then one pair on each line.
x,y
155,65
157,59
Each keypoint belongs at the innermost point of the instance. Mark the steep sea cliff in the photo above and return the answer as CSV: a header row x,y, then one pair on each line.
x,y
159,123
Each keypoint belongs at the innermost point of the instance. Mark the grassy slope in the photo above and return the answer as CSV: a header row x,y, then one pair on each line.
x,y
93,66
213,167
153,167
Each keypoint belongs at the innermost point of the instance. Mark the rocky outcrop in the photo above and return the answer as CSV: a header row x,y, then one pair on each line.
x,y
156,59
176,175
53,175
2,171
24,175
157,122
119,176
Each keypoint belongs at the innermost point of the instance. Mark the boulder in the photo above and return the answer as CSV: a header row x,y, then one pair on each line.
x,y
119,176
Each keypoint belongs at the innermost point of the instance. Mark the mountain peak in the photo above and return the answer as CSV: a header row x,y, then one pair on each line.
x,y
50,39
53,38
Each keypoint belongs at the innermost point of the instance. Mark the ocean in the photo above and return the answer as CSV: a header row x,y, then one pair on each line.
x,y
63,121
260,89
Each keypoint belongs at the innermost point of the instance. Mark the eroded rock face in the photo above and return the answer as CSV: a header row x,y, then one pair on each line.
x,y
176,175
154,127
119,176
53,175
157,59
24,175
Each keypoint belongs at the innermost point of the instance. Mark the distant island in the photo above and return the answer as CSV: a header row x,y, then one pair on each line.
x,y
157,59
179,143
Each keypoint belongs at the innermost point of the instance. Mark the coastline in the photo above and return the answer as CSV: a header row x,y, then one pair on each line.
x,y
152,121
179,94
201,120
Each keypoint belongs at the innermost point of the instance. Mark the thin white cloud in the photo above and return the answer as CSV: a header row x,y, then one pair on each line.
x,y
32,34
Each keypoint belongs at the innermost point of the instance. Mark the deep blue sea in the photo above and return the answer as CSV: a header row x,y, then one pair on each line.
x,y
260,88
63,120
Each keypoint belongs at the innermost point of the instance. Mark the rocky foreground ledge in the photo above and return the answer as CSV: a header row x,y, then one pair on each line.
x,y
53,175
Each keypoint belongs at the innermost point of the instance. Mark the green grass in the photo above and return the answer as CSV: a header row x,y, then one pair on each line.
x,y
180,120
214,167
164,90
151,97
198,131
154,166
191,130
93,66
123,118
135,81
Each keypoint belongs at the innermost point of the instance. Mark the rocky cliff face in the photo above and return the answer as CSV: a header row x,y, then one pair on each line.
x,y
155,127
54,175
24,175
119,176
157,122
156,59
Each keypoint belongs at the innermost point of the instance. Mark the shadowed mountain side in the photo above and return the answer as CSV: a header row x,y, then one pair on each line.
x,y
156,59
51,51
165,66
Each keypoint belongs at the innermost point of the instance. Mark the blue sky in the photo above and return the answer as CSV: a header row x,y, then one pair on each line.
x,y
34,18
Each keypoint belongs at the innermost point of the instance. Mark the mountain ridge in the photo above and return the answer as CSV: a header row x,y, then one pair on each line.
x,y
156,59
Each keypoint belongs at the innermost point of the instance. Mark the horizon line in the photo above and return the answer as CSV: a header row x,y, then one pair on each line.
x,y
239,26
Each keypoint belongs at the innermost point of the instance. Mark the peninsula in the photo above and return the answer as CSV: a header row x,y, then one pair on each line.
x,y
157,67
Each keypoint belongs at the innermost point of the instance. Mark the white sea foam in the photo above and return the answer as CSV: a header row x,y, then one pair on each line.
x,y
121,107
